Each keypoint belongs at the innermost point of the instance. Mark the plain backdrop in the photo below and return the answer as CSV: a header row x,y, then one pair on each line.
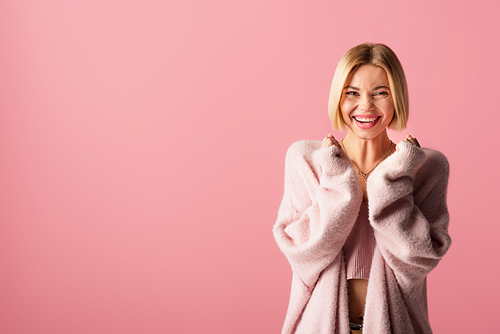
x,y
142,149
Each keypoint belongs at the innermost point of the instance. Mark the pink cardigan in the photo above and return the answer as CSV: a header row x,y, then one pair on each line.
x,y
407,209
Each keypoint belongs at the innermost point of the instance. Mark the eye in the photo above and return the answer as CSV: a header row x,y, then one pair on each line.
x,y
352,93
380,95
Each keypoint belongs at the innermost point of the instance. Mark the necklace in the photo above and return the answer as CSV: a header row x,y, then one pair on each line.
x,y
365,175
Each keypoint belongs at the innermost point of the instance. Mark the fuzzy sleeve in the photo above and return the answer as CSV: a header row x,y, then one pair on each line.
x,y
319,207
408,211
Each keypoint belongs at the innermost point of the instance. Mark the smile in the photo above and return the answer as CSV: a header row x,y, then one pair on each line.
x,y
366,120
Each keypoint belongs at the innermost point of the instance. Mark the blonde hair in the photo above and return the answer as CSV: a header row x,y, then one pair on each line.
x,y
379,55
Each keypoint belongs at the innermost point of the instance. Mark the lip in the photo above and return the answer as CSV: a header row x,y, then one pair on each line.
x,y
366,125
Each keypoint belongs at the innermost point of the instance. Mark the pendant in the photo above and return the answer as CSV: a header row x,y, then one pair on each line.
x,y
363,175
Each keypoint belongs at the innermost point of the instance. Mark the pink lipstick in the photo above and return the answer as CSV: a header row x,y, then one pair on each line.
x,y
366,121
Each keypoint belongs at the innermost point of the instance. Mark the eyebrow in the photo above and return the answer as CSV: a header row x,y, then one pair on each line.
x,y
376,88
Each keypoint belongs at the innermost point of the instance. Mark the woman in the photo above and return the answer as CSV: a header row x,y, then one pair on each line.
x,y
363,221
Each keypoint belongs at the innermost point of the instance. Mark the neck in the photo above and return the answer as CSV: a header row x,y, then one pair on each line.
x,y
366,152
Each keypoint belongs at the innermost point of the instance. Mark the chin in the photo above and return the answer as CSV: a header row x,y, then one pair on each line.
x,y
367,134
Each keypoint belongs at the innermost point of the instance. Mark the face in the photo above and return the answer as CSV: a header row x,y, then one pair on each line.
x,y
366,104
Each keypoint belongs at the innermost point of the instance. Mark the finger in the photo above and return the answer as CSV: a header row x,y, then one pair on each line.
x,y
334,141
413,141
329,139
326,142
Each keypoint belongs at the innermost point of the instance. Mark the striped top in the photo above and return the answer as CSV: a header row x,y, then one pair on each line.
x,y
360,246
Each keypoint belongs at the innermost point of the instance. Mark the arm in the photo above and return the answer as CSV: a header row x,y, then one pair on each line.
x,y
319,207
408,211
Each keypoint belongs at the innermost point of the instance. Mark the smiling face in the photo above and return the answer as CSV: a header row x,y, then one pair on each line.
x,y
366,104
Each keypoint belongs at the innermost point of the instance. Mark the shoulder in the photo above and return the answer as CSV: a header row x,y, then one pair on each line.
x,y
300,159
311,152
412,158
423,163
435,158
303,148
434,170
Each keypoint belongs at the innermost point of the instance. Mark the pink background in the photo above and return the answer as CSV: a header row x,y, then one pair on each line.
x,y
142,147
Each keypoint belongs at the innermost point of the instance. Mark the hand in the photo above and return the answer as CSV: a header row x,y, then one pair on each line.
x,y
412,140
330,140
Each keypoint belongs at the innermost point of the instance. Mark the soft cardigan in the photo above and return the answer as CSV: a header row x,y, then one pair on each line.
x,y
408,212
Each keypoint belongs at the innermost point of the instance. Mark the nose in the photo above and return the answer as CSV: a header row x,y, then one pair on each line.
x,y
366,102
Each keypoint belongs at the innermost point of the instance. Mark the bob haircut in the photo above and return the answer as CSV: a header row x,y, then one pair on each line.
x,y
379,55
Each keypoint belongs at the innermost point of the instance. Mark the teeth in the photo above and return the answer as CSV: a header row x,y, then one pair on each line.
x,y
365,120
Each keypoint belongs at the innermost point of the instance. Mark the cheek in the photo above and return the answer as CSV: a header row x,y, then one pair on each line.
x,y
346,106
387,107
389,112
344,112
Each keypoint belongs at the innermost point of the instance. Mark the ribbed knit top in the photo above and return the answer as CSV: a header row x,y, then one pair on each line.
x,y
360,246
